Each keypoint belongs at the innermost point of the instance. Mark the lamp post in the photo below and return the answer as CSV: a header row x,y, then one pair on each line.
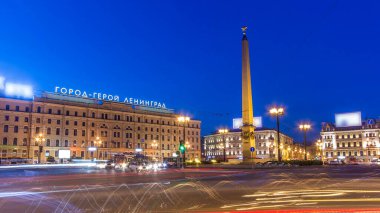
x,y
39,140
277,112
98,143
305,128
319,148
184,120
155,145
223,132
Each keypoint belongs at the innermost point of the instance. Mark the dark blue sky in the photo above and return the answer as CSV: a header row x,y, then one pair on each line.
x,y
316,58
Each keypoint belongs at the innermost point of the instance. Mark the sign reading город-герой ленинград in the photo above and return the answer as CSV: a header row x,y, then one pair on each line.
x,y
108,97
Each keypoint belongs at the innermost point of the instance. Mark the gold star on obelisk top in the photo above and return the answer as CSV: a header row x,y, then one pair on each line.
x,y
244,29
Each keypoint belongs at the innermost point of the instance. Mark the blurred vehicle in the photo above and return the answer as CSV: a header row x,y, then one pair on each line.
x,y
352,161
171,164
335,162
375,162
110,164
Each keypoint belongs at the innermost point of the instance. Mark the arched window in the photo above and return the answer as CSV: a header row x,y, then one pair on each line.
x,y
14,141
48,142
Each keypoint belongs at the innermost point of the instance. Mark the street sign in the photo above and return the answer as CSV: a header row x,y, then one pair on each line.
x,y
252,149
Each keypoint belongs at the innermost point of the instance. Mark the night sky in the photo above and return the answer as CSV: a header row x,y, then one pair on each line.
x,y
315,58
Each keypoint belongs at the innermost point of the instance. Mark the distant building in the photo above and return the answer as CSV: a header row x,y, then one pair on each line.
x,y
350,138
266,143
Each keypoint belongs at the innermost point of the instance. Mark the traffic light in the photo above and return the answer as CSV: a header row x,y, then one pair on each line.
x,y
182,148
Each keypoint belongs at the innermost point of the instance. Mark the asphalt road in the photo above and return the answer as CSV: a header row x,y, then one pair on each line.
x,y
310,189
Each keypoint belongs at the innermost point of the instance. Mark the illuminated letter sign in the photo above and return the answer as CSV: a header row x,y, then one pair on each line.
x,y
108,97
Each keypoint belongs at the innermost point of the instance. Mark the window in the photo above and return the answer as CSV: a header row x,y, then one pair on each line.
x,y
39,109
75,123
26,119
5,141
57,143
37,130
59,112
17,108
26,109
16,119
58,122
67,113
93,114
5,128
67,122
66,131
48,131
38,120
50,111
83,132
7,118
57,131
7,107
14,141
76,113
75,132
24,142
15,129
49,121
48,142
84,114
26,129
83,123
66,143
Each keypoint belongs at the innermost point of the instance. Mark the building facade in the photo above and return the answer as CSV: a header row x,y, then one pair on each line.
x,y
266,145
359,142
90,128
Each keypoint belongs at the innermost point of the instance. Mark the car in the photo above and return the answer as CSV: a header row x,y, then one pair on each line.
x,y
334,162
110,164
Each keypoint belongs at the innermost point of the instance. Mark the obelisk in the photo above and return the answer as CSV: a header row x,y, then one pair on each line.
x,y
248,138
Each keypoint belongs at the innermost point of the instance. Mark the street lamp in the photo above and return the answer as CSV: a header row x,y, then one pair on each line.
x,y
319,145
184,120
305,128
97,143
39,139
223,132
155,145
277,112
